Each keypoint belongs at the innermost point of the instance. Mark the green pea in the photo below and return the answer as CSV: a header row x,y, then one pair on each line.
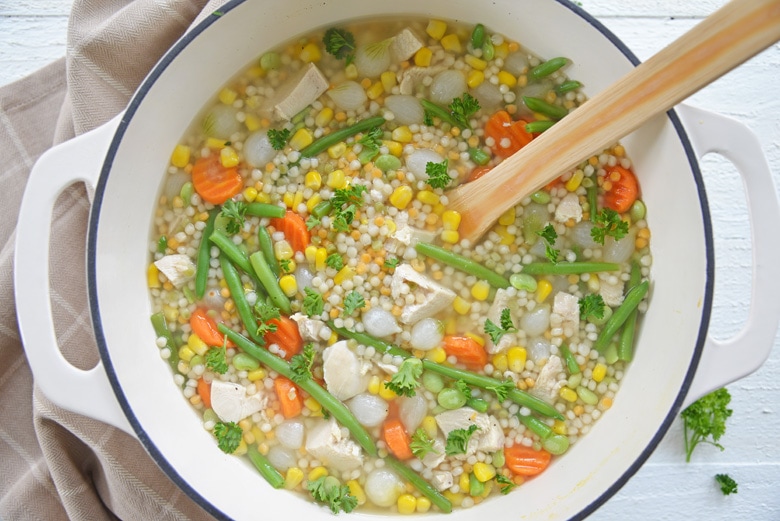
x,y
523,281
479,156
488,51
603,320
574,380
478,404
244,362
196,360
637,211
541,197
587,396
451,399
270,61
210,416
498,459
432,382
556,444
478,36
162,244
476,487
186,193
387,162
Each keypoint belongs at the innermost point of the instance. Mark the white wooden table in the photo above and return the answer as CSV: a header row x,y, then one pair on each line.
x,y
33,33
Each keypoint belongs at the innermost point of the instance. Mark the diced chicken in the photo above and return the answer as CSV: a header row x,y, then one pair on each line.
x,y
491,439
311,328
569,208
231,403
568,307
501,301
434,458
488,437
442,480
404,45
430,296
409,236
345,374
325,441
549,381
611,293
300,92
414,75
177,268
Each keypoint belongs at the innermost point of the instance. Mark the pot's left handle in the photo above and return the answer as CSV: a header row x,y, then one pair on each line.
x,y
85,392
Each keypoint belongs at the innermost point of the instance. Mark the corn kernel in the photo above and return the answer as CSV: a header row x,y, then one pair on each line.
x,y
252,122
313,180
423,505
507,78
406,503
374,384
215,143
484,471
283,250
337,179
386,393
451,219
227,96
599,372
543,290
375,90
575,181
475,78
313,201
301,139
241,449
356,491
345,273
422,58
289,285
499,362
436,29
198,346
516,357
605,403
559,427
153,276
501,50
320,258
461,305
393,147
475,63
180,156
401,197
310,53
287,199
388,80
437,354
507,217
257,374
185,353
464,483
317,473
292,478
429,426
450,236
427,197
456,498
568,394
402,134
506,237
312,404
228,157
451,42
480,290
476,338
323,117
262,197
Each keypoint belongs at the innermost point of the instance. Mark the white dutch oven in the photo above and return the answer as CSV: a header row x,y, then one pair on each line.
x,y
675,363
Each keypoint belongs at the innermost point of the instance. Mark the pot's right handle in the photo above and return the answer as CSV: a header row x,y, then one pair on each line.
x,y
725,361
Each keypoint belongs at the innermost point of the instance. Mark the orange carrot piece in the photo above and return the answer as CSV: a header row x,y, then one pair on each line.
x,y
286,336
213,182
478,172
466,350
624,191
290,397
206,328
294,228
499,127
525,461
396,438
204,391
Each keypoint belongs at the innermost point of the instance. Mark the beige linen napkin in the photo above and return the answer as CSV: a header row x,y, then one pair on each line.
x,y
56,464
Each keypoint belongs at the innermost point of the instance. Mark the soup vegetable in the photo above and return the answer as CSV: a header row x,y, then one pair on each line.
x,y
317,305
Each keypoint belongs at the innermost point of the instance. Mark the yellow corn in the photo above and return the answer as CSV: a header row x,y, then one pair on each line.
x,y
386,393
317,473
406,503
289,285
257,374
475,63
394,147
483,471
356,491
507,78
451,42
451,219
437,354
312,404
499,362
480,290
283,250
351,71
292,478
288,198
450,236
436,29
401,197
310,53
374,384
319,259
228,157
402,134
568,394
464,483
375,90
313,201
185,353
252,122
423,505
197,345
429,426
422,58
345,273
461,305
313,180
475,78
262,197
241,449
575,181
559,427
213,142
543,290
337,179
153,276
301,139
599,372
501,50
507,217
388,80
180,156
250,194
323,117
427,197
516,357
476,338
506,237
310,252
227,96
455,498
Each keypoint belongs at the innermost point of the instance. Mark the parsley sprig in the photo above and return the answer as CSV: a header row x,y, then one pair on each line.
x,y
502,390
216,358
313,304
279,138
438,177
549,235
405,381
234,213
727,484
391,262
704,421
345,203
592,305
421,444
611,225
353,302
458,440
330,492
228,436
335,261
495,332
265,313
340,43
300,364
463,108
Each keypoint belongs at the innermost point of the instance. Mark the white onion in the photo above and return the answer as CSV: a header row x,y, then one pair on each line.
x,y
516,63
406,109
221,122
539,349
619,251
379,322
369,409
174,182
427,334
417,160
411,411
258,150
373,59
348,95
446,86
281,458
303,276
580,235
383,486
536,322
290,434
488,95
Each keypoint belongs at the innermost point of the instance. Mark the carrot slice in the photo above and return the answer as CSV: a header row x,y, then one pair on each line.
x,y
206,328
624,190
286,336
290,397
508,136
294,228
396,438
467,350
204,391
214,182
525,461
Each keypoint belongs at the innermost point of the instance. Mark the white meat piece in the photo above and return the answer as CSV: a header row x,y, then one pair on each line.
x,y
549,381
177,268
300,92
231,403
345,374
325,441
488,437
410,235
430,296
442,480
311,328
404,45
611,293
501,301
491,438
568,307
434,458
569,208
414,75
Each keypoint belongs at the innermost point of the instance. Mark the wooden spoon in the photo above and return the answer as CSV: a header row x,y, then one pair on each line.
x,y
723,40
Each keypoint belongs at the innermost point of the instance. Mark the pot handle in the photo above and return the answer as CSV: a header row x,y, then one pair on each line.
x,y
84,392
724,361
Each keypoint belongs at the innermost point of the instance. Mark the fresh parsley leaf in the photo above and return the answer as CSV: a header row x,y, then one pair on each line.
x,y
496,332
266,312
458,440
438,177
228,436
331,493
704,421
300,364
216,359
463,108
233,212
345,203
611,225
501,391
340,43
312,303
162,244
391,263
312,221
592,304
279,138
506,485
727,484
421,444
463,388
353,302
334,261
549,235
405,381
506,321
372,139
285,264
427,119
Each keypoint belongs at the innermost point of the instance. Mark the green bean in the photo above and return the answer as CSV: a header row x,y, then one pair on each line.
x,y
265,210
441,113
233,252
547,109
537,127
592,193
618,318
233,281
321,209
425,488
340,135
571,362
567,86
625,346
462,263
161,330
162,244
568,268
264,467
478,36
479,156
266,244
544,69
553,443
478,404
270,282
332,404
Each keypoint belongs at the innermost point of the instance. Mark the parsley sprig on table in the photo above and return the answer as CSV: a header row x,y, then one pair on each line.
x,y
438,177
704,421
727,484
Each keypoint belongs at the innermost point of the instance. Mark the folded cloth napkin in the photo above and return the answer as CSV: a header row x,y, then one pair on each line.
x,y
57,464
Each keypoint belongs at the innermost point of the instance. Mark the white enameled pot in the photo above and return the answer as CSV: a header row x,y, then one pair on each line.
x,y
131,388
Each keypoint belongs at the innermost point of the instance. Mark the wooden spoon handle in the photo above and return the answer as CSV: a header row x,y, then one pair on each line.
x,y
728,37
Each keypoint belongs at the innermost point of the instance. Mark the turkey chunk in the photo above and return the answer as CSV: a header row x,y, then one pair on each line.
x,y
405,44
549,381
345,374
569,208
300,92
568,307
231,403
326,442
430,296
311,328
501,301
489,436
611,293
177,268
